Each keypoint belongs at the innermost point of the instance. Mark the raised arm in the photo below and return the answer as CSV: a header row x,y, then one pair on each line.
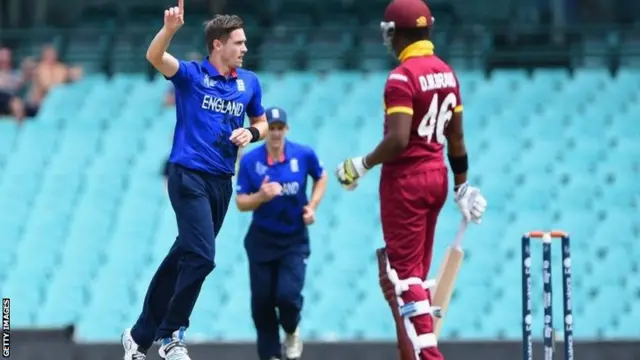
x,y
157,53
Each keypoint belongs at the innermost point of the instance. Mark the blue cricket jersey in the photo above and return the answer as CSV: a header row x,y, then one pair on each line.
x,y
283,214
209,106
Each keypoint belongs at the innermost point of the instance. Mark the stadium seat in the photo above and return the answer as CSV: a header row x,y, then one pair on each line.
x,y
86,216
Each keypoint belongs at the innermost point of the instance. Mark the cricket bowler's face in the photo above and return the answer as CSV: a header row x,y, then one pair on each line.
x,y
277,133
234,48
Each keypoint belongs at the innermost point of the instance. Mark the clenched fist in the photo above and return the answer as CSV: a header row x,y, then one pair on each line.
x,y
269,189
174,17
241,137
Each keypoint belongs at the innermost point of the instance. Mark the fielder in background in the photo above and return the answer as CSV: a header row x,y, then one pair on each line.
x,y
422,110
212,99
272,183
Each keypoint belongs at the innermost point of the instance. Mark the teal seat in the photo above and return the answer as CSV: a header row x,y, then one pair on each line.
x,y
579,222
624,327
458,320
507,79
540,157
576,191
57,313
19,189
485,100
553,156
624,127
376,328
235,312
150,164
43,224
8,134
279,64
325,320
42,258
103,287
158,139
61,182
134,118
130,240
590,77
62,205
375,63
115,164
60,104
45,135
89,221
619,227
22,317
111,325
325,63
626,79
201,330
79,138
7,257
497,192
550,75
15,287
139,288
574,96
504,324
540,126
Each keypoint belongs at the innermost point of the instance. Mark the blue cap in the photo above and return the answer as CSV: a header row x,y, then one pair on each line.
x,y
276,115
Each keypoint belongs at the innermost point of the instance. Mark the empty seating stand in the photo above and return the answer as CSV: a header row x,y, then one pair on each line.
x,y
86,219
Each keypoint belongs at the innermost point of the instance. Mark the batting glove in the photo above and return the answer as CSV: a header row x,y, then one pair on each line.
x,y
349,171
470,202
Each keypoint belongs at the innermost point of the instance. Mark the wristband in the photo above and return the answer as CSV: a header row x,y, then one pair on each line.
x,y
364,163
459,164
458,187
255,134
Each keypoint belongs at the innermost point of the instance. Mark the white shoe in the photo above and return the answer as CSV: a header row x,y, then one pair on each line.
x,y
174,348
293,346
130,347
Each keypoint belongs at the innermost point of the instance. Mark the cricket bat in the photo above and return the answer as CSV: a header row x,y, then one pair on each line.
x,y
447,274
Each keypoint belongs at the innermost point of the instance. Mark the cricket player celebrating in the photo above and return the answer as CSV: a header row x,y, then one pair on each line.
x,y
422,109
212,98
272,182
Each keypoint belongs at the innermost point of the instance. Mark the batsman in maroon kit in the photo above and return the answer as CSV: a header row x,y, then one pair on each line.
x,y
423,108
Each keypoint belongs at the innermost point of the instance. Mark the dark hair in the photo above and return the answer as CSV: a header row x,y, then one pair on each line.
x,y
220,27
412,35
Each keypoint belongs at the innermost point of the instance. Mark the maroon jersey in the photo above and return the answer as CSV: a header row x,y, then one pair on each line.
x,y
426,88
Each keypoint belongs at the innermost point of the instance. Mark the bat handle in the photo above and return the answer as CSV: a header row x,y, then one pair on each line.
x,y
457,242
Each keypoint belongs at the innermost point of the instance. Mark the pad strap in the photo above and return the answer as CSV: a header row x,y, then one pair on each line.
x,y
417,308
413,309
402,285
425,341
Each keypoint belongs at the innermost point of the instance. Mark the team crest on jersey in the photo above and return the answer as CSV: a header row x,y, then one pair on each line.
x,y
294,165
261,169
208,82
240,85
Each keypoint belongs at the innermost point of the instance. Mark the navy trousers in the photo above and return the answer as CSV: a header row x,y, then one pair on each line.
x,y
200,202
277,282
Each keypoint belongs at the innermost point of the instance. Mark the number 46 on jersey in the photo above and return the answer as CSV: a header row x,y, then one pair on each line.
x,y
438,116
